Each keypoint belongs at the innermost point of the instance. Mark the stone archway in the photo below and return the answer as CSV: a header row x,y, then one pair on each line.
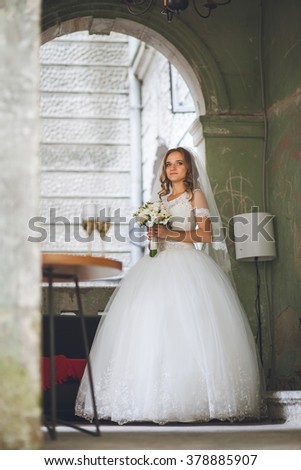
x,y
207,87
208,90
145,34
103,28
180,45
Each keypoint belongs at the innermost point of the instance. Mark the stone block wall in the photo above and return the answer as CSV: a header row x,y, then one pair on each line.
x,y
85,140
85,134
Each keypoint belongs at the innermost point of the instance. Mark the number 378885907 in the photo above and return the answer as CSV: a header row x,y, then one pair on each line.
x,y
221,459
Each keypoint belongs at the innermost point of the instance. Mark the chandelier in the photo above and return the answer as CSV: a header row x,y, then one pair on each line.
x,y
173,7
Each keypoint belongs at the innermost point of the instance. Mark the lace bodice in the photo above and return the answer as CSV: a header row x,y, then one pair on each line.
x,y
183,218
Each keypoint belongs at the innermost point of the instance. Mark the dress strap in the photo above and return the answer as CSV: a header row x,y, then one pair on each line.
x,y
201,212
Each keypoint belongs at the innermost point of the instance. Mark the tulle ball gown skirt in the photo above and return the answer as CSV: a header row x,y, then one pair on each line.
x,y
175,345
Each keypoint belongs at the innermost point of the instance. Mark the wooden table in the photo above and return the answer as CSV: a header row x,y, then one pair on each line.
x,y
57,267
85,267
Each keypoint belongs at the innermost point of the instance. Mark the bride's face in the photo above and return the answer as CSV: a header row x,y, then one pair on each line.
x,y
175,167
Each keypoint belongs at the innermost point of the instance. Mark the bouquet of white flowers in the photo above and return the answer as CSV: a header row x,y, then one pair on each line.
x,y
152,213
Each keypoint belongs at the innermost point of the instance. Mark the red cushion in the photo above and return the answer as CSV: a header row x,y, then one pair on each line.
x,y
64,368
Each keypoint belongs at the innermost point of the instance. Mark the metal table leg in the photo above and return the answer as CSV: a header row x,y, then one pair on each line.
x,y
86,347
51,426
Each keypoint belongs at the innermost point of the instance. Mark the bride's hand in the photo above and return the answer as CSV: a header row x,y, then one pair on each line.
x,y
150,233
160,231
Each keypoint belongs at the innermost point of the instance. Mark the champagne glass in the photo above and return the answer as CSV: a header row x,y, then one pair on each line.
x,y
88,218
103,223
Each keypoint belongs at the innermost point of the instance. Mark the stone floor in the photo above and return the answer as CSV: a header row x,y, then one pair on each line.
x,y
261,436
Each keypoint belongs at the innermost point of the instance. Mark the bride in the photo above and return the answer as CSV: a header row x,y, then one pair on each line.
x,y
175,344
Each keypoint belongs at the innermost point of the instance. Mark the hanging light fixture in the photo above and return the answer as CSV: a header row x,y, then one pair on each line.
x,y
173,7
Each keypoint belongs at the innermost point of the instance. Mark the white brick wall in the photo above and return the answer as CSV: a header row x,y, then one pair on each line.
x,y
85,136
85,132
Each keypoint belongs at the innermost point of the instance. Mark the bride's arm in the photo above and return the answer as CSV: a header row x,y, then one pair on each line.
x,y
201,234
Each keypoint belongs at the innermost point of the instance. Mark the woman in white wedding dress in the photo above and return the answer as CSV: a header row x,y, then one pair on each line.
x,y
175,345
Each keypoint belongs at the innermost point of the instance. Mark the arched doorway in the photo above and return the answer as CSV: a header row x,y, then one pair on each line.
x,y
207,89
101,28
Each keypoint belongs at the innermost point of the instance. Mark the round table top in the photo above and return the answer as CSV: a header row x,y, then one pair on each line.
x,y
85,267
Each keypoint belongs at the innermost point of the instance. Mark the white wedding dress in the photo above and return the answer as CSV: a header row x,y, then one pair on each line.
x,y
175,344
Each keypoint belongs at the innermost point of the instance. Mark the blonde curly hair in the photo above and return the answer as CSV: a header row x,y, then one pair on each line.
x,y
190,178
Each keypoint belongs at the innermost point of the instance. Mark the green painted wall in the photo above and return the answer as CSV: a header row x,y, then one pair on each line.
x,y
224,52
234,146
282,67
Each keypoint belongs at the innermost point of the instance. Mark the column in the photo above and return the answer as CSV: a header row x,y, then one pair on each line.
x,y
20,263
